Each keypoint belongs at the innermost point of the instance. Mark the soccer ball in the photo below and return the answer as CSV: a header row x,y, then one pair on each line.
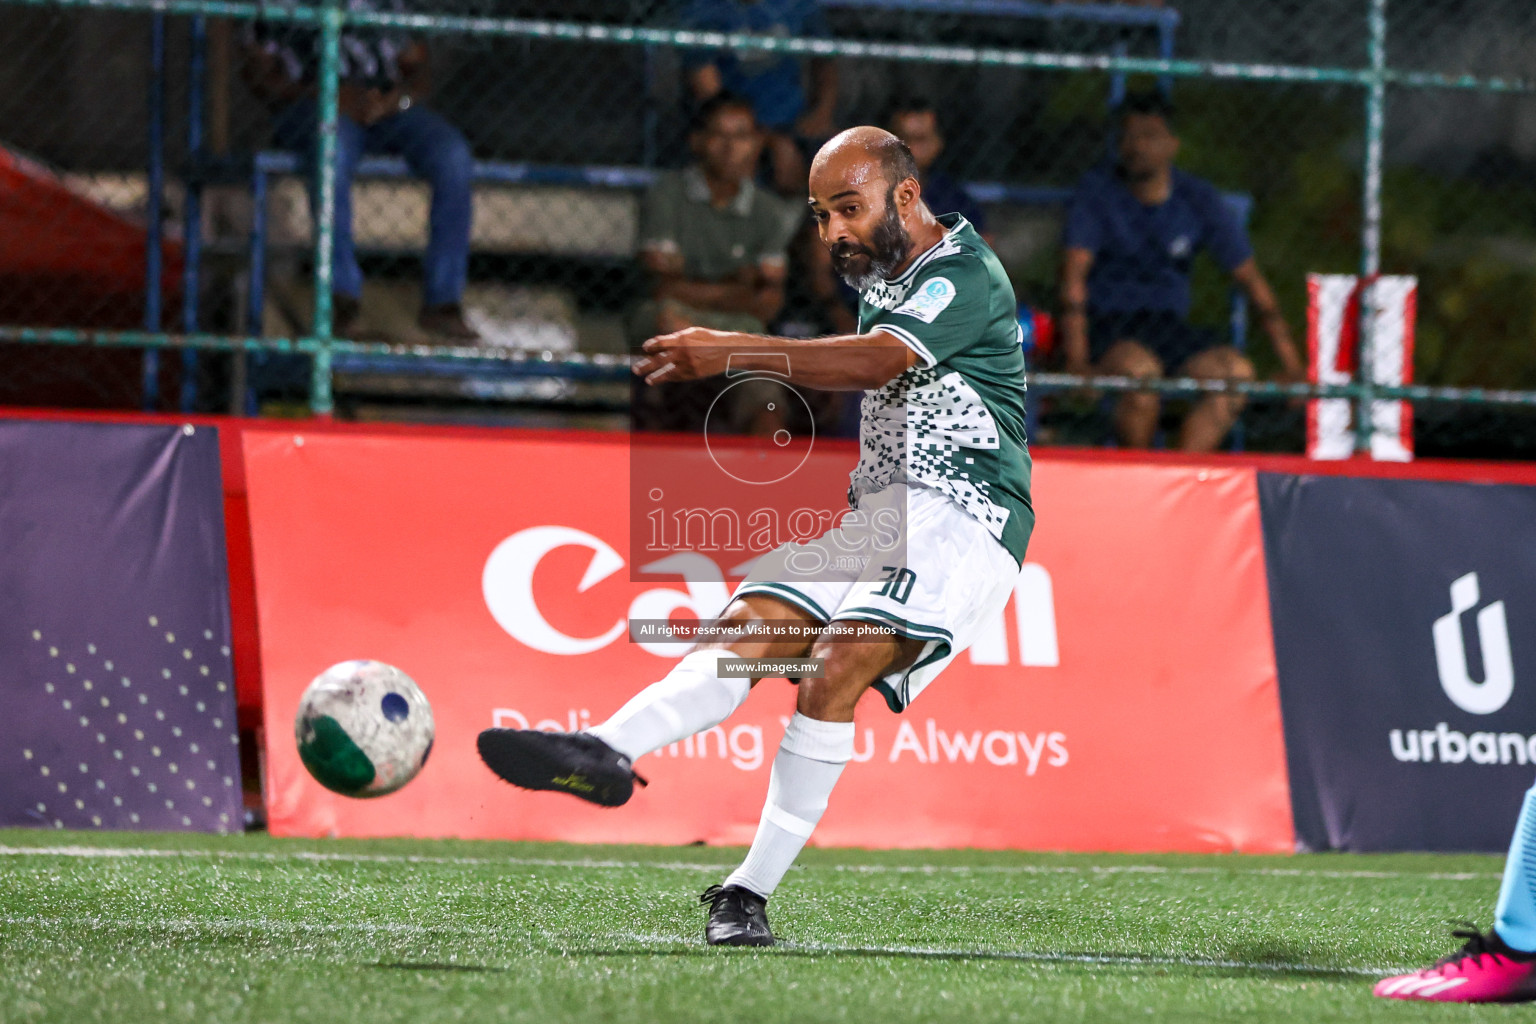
x,y
364,728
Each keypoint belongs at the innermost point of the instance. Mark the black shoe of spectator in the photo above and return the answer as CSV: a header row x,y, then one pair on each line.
x,y
447,321
346,315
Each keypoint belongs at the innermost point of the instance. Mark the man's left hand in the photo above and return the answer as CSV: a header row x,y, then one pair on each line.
x,y
684,355
378,105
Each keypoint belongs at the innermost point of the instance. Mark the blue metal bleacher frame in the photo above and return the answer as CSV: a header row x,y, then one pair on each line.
x,y
270,163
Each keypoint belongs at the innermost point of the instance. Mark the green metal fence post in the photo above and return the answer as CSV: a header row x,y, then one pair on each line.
x,y
320,397
1370,217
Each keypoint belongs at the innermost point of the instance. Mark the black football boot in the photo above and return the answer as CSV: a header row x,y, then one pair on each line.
x,y
737,917
577,763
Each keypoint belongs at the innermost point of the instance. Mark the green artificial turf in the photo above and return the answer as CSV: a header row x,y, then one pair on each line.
x,y
126,927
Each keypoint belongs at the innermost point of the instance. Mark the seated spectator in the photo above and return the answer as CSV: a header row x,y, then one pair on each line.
x,y
385,80
792,121
713,246
916,122
1130,240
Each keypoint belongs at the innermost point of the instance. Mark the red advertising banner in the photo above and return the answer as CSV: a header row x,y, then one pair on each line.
x,y
1126,700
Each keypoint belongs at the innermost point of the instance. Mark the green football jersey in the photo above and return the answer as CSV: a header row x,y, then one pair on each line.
x,y
955,421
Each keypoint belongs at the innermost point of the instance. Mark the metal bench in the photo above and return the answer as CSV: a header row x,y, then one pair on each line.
x,y
279,162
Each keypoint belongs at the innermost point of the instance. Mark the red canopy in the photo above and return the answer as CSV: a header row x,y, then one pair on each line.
x,y
48,231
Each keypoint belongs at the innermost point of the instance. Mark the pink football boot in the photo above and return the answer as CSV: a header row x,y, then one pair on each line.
x,y
1484,970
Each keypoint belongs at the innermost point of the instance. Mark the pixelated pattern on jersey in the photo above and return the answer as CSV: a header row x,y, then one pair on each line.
x,y
887,295
931,427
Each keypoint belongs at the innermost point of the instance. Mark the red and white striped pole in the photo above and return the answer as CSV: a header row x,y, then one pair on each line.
x,y
1333,349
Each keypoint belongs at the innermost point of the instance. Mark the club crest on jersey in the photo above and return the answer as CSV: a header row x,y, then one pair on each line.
x,y
930,300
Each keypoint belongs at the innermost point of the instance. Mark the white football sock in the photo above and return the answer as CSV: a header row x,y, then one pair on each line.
x,y
810,759
690,699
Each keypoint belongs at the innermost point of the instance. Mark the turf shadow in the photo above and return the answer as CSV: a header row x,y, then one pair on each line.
x,y
435,967
1133,961
1071,958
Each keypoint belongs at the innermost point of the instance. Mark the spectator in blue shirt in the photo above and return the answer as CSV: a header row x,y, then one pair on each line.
x,y
772,82
1129,245
916,122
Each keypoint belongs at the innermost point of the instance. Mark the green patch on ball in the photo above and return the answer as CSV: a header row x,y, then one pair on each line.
x,y
333,759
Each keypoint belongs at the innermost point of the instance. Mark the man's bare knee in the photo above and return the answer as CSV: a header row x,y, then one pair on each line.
x,y
742,614
1130,358
850,669
1224,363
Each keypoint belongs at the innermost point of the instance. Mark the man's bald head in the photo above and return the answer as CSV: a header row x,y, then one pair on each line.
x,y
864,149
867,201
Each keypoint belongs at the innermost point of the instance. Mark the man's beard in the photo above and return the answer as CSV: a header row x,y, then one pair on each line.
x,y
888,247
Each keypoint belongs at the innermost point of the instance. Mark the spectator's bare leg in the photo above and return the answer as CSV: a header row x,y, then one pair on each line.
x,y
1208,423
1136,411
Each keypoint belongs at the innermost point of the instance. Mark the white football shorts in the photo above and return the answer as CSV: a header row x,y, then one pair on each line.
x,y
934,573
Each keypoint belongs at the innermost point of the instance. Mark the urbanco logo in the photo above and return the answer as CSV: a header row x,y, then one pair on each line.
x,y
507,586
1477,698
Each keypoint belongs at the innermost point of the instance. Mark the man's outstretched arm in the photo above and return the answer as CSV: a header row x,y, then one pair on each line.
x,y
850,362
1267,308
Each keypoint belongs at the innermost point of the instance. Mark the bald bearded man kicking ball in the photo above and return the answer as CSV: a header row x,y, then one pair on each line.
x,y
942,453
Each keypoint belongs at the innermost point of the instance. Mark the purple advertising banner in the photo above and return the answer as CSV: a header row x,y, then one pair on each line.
x,y
115,662
1404,617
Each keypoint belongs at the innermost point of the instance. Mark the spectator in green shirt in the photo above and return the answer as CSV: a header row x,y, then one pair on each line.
x,y
713,245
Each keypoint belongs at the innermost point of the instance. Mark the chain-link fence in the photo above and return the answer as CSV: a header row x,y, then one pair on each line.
x,y
503,171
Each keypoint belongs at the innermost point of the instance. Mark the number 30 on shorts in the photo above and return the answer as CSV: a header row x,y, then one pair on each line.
x,y
897,583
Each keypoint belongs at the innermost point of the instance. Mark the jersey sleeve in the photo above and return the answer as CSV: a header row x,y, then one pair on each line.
x,y
1225,238
1084,228
945,312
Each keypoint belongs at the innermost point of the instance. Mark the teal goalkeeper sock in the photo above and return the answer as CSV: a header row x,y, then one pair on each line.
x,y
1515,919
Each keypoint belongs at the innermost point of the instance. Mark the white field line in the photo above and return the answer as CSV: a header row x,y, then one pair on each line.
x,y
119,853
238,926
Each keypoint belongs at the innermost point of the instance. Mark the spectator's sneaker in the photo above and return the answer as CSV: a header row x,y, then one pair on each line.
x,y
737,917
577,763
446,321
1484,970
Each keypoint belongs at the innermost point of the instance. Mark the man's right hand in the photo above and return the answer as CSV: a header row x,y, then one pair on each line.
x,y
365,105
352,101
